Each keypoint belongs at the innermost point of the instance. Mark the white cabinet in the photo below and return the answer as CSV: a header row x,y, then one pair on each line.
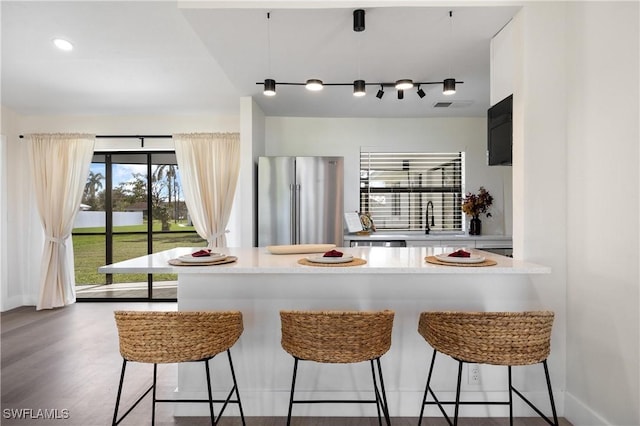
x,y
459,243
490,243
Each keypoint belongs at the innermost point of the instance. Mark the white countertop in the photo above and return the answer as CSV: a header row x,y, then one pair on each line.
x,y
380,260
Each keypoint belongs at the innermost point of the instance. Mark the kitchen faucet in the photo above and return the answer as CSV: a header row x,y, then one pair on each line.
x,y
427,228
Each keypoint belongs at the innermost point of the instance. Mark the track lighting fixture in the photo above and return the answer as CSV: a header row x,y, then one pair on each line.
x,y
359,85
314,84
449,86
359,88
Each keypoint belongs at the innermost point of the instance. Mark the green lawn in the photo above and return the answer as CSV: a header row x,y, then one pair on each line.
x,y
89,251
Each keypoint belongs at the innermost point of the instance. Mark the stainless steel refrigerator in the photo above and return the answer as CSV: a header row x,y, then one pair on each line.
x,y
300,200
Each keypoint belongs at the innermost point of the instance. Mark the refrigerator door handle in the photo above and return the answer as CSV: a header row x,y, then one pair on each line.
x,y
292,215
297,214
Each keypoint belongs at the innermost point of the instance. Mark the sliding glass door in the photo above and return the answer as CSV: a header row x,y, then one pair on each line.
x,y
133,205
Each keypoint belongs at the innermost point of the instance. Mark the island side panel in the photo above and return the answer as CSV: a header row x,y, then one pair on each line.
x,y
264,369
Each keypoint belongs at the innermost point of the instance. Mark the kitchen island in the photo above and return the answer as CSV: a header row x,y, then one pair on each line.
x,y
261,284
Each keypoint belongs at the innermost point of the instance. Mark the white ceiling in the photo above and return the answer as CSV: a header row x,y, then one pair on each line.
x,y
157,58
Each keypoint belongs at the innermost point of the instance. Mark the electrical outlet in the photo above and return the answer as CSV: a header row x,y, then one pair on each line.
x,y
474,374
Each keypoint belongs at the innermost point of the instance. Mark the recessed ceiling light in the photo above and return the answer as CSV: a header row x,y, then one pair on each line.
x,y
63,44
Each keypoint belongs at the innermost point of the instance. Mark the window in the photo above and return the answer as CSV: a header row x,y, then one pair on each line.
x,y
133,205
396,187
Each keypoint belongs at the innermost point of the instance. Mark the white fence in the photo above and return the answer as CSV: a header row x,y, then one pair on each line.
x,y
96,219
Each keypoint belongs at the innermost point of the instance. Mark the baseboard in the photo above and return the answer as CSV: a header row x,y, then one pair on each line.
x,y
579,414
12,303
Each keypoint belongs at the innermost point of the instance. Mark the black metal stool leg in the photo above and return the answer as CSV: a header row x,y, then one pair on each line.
x,y
375,391
115,411
385,407
426,389
235,384
455,418
153,398
293,385
553,405
510,398
207,372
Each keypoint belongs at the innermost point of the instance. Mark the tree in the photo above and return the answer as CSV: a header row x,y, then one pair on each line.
x,y
91,188
169,172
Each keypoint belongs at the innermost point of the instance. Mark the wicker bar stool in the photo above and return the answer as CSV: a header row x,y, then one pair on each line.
x,y
497,338
175,337
339,337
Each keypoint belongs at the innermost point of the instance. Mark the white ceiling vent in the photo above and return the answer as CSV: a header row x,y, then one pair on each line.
x,y
453,104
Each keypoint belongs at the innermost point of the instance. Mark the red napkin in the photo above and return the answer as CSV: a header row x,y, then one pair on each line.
x,y
460,253
333,253
202,253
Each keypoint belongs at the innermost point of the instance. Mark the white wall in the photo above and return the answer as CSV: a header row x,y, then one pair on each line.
x,y
3,218
576,197
98,219
252,140
345,136
24,235
603,227
24,232
539,164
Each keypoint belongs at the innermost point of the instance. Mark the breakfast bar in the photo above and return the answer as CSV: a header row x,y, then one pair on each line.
x,y
260,284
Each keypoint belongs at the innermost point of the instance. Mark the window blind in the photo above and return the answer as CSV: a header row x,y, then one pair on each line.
x,y
396,187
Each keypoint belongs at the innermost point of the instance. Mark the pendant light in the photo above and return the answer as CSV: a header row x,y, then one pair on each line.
x,y
269,87
269,83
449,84
359,86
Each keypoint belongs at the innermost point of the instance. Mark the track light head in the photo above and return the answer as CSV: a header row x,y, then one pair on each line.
x,y
449,86
380,93
404,84
314,84
400,94
420,92
359,88
269,87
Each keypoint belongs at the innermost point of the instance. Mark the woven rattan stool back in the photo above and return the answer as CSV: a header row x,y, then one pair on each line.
x,y
172,337
336,336
498,338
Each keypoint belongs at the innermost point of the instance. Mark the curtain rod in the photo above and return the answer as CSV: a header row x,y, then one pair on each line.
x,y
128,136
141,137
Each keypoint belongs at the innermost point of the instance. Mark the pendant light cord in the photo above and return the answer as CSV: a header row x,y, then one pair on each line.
x,y
450,42
269,44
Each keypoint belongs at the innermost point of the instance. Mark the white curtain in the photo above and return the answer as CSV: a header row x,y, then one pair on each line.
x,y
60,167
209,165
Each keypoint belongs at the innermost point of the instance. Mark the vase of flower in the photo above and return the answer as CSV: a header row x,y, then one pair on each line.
x,y
475,226
474,205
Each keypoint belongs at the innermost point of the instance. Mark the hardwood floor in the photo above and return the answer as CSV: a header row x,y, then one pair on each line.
x,y
66,361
